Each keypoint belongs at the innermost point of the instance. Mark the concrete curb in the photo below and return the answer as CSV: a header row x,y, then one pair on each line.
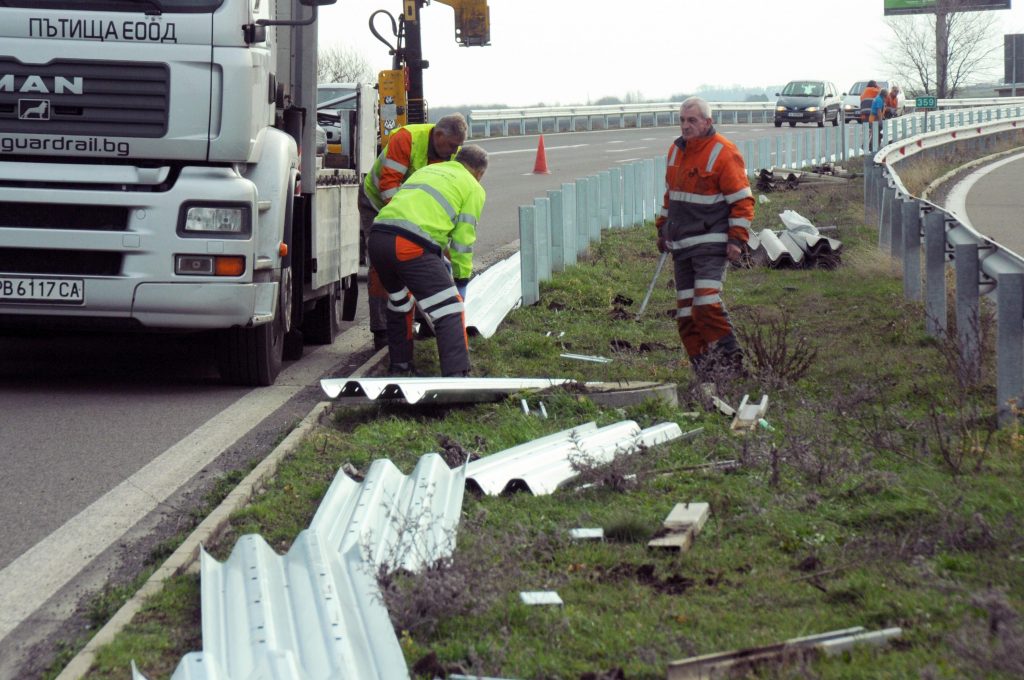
x,y
186,558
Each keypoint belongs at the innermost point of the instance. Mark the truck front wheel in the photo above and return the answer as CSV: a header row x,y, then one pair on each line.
x,y
321,325
253,356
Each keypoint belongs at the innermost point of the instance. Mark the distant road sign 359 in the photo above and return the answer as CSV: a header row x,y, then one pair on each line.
x,y
926,103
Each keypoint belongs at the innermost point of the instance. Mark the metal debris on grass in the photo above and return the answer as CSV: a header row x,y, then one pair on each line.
x,y
585,357
540,597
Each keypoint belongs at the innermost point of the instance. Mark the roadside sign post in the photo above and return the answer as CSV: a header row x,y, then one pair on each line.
x,y
926,104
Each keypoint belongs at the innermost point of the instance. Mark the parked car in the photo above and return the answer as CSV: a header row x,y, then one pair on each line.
x,y
851,99
808,101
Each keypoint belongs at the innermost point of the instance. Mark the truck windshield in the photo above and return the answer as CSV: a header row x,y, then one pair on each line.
x,y
151,6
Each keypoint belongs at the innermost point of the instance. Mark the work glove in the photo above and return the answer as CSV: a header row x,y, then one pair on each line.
x,y
662,245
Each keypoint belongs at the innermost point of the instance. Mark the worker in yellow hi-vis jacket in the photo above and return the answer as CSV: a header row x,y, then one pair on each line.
x,y
436,211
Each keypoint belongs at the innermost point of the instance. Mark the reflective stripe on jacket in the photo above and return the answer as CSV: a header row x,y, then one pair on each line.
x,y
406,152
441,204
707,195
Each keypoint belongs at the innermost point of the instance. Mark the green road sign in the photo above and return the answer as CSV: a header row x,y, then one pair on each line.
x,y
926,103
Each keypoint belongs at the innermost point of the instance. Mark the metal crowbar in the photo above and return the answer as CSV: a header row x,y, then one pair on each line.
x,y
650,289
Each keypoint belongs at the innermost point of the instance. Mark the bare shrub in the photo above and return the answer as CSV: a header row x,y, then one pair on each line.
x,y
628,466
994,644
777,354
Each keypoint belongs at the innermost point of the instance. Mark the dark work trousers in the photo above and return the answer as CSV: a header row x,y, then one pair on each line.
x,y
701,318
376,296
410,270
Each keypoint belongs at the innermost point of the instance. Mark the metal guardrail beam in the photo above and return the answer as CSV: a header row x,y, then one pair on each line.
x,y
983,266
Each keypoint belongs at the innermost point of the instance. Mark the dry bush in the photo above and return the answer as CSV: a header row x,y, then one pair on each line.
x,y
629,466
992,645
777,354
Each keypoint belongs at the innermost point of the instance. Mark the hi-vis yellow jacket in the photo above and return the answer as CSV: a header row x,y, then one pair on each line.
x,y
440,204
407,151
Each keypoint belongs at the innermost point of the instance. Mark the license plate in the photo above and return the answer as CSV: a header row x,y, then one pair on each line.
x,y
22,289
794,115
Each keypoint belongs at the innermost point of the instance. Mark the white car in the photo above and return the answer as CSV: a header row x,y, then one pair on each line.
x,y
851,99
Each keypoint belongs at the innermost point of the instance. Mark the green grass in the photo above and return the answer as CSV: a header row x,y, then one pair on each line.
x,y
872,502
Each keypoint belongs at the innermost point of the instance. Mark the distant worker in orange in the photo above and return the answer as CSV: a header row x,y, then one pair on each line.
x,y
704,220
892,102
867,98
408,149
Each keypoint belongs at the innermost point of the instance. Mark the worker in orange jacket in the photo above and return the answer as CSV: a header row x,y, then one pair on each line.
x,y
704,220
867,97
408,149
892,102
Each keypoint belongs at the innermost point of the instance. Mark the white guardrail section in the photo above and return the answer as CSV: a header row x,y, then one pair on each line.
x,y
909,225
560,226
484,122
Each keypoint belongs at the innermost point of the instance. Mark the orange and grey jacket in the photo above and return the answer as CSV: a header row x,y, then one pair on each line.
x,y
708,201
867,97
407,151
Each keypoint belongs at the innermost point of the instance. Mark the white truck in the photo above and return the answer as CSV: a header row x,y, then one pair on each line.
x,y
158,172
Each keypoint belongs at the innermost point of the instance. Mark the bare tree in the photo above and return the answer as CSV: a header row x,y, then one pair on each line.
x,y
940,53
339,64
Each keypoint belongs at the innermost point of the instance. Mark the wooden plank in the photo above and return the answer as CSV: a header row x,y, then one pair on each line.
x,y
681,527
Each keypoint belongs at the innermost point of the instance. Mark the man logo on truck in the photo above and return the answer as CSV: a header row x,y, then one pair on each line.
x,y
33,109
36,84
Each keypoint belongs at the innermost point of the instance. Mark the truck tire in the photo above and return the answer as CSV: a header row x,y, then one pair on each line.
x,y
253,356
322,324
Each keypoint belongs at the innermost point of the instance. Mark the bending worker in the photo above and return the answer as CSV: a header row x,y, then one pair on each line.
x,y
409,148
705,218
867,97
437,209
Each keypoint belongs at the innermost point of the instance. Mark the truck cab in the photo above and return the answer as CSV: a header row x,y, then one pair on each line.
x,y
151,178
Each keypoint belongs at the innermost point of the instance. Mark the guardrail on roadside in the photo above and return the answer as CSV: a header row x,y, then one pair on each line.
x,y
908,225
568,118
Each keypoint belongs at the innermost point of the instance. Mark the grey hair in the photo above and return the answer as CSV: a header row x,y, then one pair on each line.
x,y
703,106
452,125
473,157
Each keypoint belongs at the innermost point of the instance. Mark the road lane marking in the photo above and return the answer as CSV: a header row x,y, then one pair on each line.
x,y
546,148
632,148
31,579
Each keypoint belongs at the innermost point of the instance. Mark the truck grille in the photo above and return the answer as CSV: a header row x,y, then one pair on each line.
x,y
84,98
51,261
55,216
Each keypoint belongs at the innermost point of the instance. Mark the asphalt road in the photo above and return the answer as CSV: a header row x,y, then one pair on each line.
x,y
993,202
106,442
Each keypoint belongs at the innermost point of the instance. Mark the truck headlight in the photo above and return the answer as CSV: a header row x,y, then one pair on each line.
x,y
219,220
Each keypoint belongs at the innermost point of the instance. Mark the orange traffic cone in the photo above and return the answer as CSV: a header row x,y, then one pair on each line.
x,y
540,166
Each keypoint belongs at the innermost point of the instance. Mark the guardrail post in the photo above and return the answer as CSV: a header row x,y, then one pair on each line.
x,y
896,227
616,196
1009,343
528,255
885,218
628,187
570,247
556,229
605,178
638,194
779,162
582,231
968,319
594,207
911,250
935,273
541,213
869,188
650,193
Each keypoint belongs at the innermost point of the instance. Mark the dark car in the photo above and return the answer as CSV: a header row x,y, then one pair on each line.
x,y
808,101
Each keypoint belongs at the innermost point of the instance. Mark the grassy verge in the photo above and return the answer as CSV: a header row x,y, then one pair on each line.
x,y
881,497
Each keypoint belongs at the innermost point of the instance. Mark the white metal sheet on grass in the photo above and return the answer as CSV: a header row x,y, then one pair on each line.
x,y
542,465
434,390
492,295
317,611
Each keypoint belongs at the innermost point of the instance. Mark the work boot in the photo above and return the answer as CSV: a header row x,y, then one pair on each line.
x,y
380,339
402,370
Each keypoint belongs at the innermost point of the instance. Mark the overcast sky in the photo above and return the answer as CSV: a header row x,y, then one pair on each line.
x,y
577,51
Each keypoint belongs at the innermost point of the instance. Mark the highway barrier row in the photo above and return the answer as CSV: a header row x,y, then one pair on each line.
x,y
541,119
910,227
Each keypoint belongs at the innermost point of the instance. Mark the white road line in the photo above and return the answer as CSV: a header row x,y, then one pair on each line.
x,y
632,148
616,141
628,160
546,148
29,581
